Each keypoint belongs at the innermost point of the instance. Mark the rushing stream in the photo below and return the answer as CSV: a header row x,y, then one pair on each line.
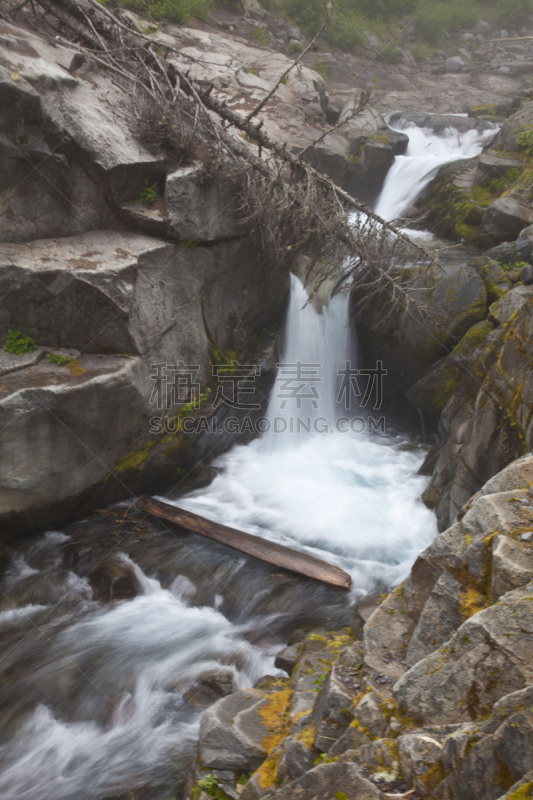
x,y
113,638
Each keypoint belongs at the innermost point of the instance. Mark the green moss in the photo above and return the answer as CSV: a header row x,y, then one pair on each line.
x,y
482,195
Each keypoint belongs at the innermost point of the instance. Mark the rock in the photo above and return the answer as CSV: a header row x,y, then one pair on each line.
x,y
210,686
493,165
495,763
526,233
330,157
482,27
497,378
526,275
329,782
367,172
122,299
201,206
419,754
296,758
408,348
453,683
510,304
493,276
512,565
287,658
114,579
332,713
231,732
512,252
439,122
368,714
504,219
454,64
523,787
440,617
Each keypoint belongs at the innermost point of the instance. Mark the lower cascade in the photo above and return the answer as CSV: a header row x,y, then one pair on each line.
x,y
101,698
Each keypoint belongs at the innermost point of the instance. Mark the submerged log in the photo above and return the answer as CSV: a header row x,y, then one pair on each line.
x,y
255,546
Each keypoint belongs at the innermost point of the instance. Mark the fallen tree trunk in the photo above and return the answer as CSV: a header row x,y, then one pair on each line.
x,y
272,553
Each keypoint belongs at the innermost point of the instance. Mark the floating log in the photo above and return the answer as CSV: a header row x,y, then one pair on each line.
x,y
255,546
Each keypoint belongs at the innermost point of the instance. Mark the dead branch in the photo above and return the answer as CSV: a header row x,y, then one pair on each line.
x,y
293,207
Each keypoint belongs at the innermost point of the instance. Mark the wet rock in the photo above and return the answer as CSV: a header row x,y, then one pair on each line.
x,y
287,658
211,686
479,433
114,579
409,348
366,175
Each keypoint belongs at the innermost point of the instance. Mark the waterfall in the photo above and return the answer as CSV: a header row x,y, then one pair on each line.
x,y
426,152
100,699
317,346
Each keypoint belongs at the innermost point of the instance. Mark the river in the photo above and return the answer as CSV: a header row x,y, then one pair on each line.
x,y
102,700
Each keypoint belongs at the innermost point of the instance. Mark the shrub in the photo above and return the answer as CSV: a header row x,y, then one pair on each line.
x,y
148,193
388,53
524,139
174,10
57,358
18,343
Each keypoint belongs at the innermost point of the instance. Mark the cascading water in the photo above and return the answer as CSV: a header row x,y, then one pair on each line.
x,y
103,700
426,152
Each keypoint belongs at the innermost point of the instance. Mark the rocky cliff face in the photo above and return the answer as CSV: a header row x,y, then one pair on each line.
x,y
432,698
114,260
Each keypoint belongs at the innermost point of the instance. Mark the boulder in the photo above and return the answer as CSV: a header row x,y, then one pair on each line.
x,y
409,344
504,219
330,782
231,732
454,64
512,302
488,656
202,206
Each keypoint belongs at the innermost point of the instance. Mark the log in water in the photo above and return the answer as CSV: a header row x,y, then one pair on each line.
x,y
271,552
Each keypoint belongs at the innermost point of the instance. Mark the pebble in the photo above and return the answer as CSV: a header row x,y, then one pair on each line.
x,y
526,537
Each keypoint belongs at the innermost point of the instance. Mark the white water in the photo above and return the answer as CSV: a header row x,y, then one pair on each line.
x,y
102,708
426,152
348,497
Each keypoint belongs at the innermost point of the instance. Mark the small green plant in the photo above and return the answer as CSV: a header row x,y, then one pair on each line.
x,y
148,193
243,780
524,139
319,681
209,785
18,343
499,185
389,53
322,68
261,35
57,358
515,265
